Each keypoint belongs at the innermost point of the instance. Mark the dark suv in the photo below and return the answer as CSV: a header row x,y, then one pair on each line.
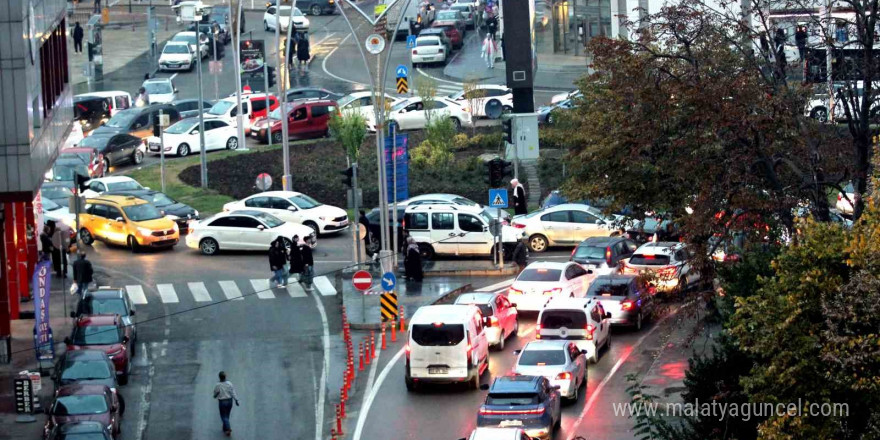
x,y
602,255
528,401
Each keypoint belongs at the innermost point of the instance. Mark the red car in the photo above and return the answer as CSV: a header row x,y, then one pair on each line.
x,y
305,119
90,156
452,33
108,333
79,403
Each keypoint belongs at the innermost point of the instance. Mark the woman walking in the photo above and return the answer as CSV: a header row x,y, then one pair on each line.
x,y
277,260
302,52
296,261
308,265
412,262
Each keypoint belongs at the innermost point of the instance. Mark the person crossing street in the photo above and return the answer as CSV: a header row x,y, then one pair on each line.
x,y
277,261
224,392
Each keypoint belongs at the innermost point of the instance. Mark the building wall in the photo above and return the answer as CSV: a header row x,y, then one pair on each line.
x,y
30,134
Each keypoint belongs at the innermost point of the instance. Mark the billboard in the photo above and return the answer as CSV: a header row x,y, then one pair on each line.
x,y
253,61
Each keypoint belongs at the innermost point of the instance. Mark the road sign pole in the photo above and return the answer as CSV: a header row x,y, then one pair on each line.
x,y
237,58
394,187
161,151
269,105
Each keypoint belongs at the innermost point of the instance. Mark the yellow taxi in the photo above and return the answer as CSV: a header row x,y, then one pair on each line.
x,y
128,221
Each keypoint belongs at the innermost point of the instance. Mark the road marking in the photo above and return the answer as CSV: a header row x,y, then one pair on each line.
x,y
325,286
522,334
230,289
368,397
319,409
173,76
324,64
261,288
199,292
166,291
136,294
496,286
296,291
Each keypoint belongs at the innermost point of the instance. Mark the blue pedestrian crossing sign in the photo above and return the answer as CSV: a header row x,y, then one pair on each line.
x,y
388,281
402,71
498,198
410,41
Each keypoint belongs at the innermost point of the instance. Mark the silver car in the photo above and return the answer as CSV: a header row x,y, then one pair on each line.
x,y
563,225
560,361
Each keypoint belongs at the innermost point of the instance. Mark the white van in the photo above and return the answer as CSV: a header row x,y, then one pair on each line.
x,y
446,229
253,107
582,320
446,344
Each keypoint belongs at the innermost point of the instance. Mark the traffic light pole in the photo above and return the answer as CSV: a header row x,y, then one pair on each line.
x,y
354,194
161,151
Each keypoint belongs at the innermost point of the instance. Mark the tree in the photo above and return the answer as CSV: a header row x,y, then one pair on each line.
x,y
426,89
349,129
473,94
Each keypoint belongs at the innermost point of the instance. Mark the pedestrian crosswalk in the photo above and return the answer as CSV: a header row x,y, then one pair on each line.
x,y
214,291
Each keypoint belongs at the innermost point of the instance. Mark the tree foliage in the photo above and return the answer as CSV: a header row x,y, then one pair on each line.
x,y
349,129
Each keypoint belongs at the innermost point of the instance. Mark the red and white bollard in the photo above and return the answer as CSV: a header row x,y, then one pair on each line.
x,y
361,350
384,345
394,331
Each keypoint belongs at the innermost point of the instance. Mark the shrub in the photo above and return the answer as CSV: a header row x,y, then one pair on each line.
x,y
440,131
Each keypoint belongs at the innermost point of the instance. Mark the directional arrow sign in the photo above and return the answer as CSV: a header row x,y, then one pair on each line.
x,y
402,86
388,281
402,72
498,198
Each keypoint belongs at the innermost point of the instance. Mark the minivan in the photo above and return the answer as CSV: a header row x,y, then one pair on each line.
x,y
253,106
445,229
446,344
582,320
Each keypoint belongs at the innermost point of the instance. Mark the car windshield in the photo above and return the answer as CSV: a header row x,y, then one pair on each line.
x,y
276,114
56,192
284,11
103,306
221,108
485,309
119,120
80,405
126,185
447,15
86,370
158,88
182,127
159,199
539,275
542,357
346,100
65,171
589,253
304,202
176,48
649,260
570,319
462,8
603,286
186,38
270,220
512,399
437,334
96,335
142,212
427,42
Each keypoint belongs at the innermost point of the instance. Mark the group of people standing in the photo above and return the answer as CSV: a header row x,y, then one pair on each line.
x,y
297,260
298,51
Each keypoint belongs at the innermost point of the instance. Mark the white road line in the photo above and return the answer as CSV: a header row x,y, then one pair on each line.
x,y
173,76
199,292
295,290
230,289
166,291
324,64
522,334
438,79
136,294
261,288
369,397
325,286
319,409
496,286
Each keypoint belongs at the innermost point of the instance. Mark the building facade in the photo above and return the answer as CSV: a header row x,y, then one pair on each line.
x,y
36,112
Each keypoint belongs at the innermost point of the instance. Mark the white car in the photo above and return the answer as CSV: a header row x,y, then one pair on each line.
x,y
563,225
299,19
497,434
500,315
582,321
295,207
559,97
160,90
242,230
101,185
410,114
199,46
843,204
428,49
560,361
56,212
484,96
177,55
817,105
542,281
453,199
362,103
183,138
666,264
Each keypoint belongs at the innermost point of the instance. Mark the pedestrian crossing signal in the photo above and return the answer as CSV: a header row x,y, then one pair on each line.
x,y
402,86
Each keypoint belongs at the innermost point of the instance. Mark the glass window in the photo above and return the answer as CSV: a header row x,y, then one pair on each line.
x,y
259,104
605,286
158,88
113,213
257,202
594,315
542,357
123,118
437,334
222,107
56,192
556,319
319,110
422,42
181,127
248,222
80,405
416,220
103,306
539,275
512,399
558,216
97,210
300,114
141,122
142,212
303,201
589,253
122,102
97,335
125,185
278,203
469,223
575,271
228,222
86,370
442,220
584,217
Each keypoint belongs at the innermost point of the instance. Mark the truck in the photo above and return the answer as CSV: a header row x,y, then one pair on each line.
x,y
415,11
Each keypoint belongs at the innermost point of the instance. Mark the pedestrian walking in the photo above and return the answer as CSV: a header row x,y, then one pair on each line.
x,y
412,262
800,38
521,254
488,51
779,41
277,261
97,6
60,235
308,264
46,241
224,392
291,48
77,38
492,25
519,198
296,261
302,52
82,274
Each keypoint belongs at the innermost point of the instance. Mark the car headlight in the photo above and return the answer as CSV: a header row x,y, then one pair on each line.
x,y
176,228
196,214
144,231
171,217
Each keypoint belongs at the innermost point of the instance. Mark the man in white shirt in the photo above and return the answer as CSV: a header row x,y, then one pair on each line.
x,y
224,392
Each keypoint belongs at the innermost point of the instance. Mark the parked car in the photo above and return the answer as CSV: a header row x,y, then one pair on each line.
x,y
126,221
85,367
603,255
298,93
80,430
666,264
484,96
548,114
106,333
198,45
189,108
136,121
92,110
644,230
116,148
81,403
181,213
284,15
563,225
560,362
543,280
468,11
453,17
844,205
160,90
253,107
295,207
177,55
106,300
305,119
440,229
410,114
429,49
527,402
91,156
362,102
242,230
183,138
627,298
449,31
500,315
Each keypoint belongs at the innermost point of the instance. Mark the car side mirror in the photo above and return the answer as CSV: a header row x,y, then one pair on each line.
x,y
513,305
68,341
484,387
517,351
261,227
119,219
485,228
175,90
292,208
125,339
589,271
584,352
607,315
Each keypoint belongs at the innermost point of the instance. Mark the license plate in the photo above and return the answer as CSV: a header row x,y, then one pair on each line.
x,y
343,223
154,147
589,266
507,423
438,370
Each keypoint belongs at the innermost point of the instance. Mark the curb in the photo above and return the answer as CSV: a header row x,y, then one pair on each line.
x,y
441,299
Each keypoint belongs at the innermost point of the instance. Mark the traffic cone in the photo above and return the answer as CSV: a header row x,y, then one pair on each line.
x,y
402,319
384,345
367,355
338,421
361,350
394,331
373,344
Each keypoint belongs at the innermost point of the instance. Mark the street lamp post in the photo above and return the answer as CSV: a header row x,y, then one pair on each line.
x,y
191,11
237,58
282,89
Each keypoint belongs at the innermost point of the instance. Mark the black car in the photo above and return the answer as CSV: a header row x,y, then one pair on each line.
x,y
530,402
116,148
91,111
85,367
209,30
602,255
311,93
81,431
189,108
59,191
643,231
166,206
137,121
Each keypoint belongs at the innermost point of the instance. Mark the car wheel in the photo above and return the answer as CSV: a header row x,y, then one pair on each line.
x,y
106,165
456,123
515,331
183,150
538,243
411,385
415,66
209,246
133,349
86,237
314,227
820,114
315,10
595,357
426,250
501,343
575,395
232,143
133,244
276,137
137,157
265,25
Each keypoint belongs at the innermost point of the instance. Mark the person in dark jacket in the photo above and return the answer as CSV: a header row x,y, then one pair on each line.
x,y
296,261
519,198
46,241
412,262
521,255
308,265
82,274
77,38
366,222
800,38
302,52
277,260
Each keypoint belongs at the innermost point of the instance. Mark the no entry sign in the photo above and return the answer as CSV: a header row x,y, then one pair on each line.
x,y
362,280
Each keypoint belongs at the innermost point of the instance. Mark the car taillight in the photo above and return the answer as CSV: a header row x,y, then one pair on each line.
x,y
518,226
590,329
512,291
407,350
553,291
504,412
415,52
608,255
627,304
839,197
563,376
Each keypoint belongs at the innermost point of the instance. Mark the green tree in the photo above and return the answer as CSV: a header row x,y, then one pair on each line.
x,y
426,89
349,128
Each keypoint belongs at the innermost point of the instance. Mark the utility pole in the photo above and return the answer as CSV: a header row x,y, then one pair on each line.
x,y
162,149
216,73
282,90
203,159
237,58
829,49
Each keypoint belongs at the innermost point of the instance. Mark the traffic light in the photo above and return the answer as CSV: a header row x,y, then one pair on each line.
x,y
507,128
348,175
496,173
271,72
79,182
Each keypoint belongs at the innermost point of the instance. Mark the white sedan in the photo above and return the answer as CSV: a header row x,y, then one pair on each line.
x,y
183,138
542,281
283,15
563,225
411,113
485,96
295,207
362,103
561,362
243,230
